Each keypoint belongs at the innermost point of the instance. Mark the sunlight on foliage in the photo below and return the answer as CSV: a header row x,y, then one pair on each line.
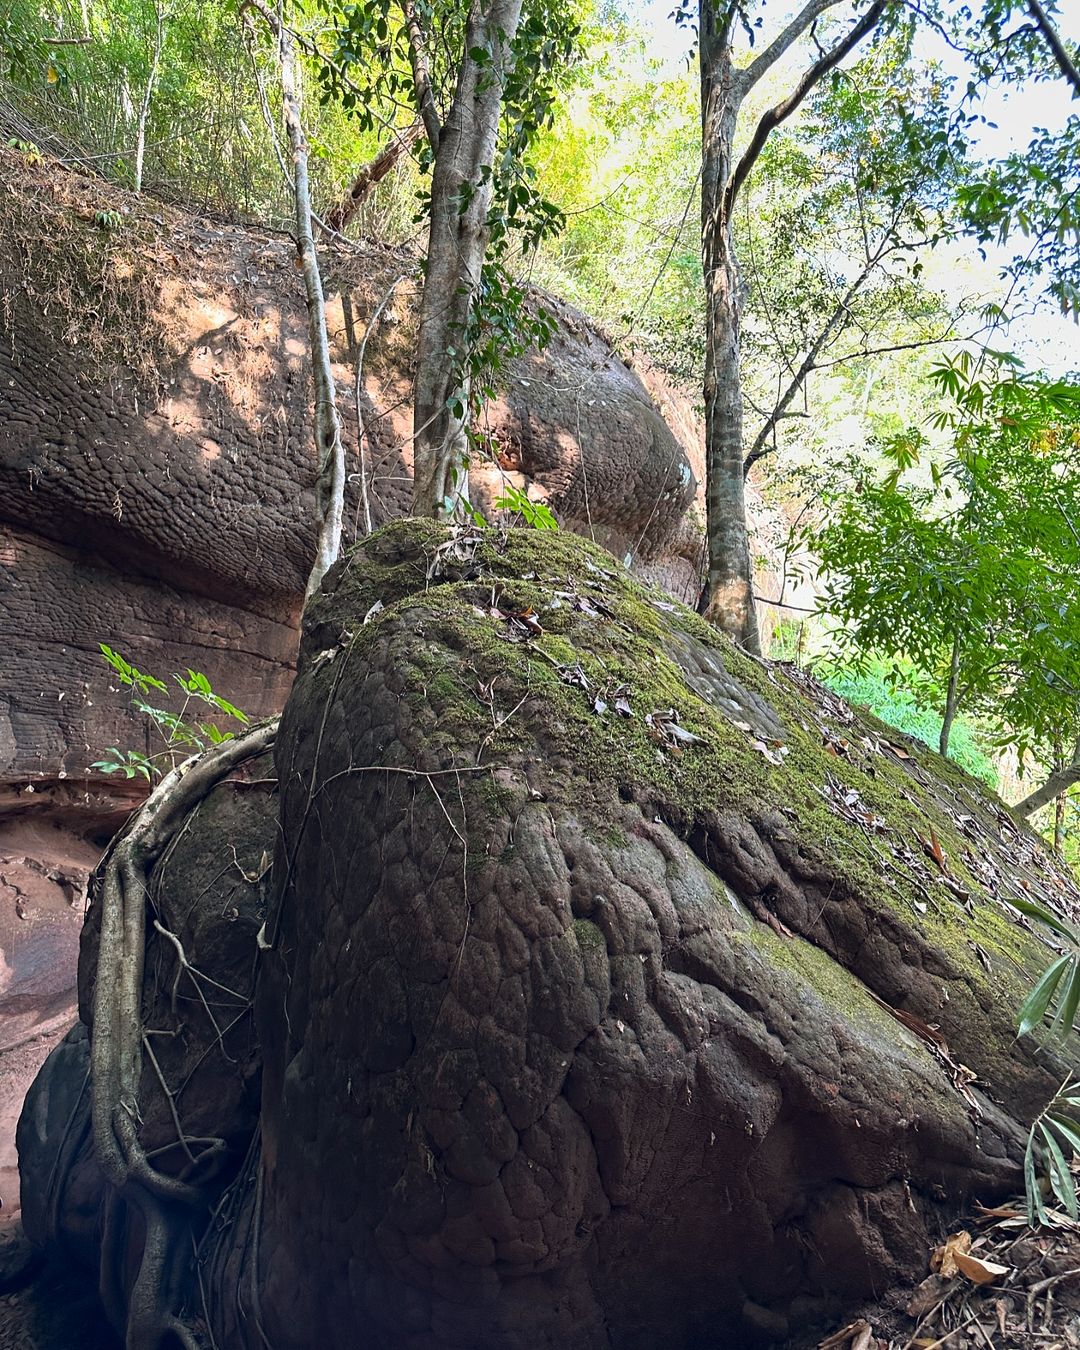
x,y
180,736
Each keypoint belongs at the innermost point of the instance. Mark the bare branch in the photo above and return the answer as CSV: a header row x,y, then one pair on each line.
x,y
339,215
330,473
1059,781
425,96
813,10
1065,62
781,111
760,448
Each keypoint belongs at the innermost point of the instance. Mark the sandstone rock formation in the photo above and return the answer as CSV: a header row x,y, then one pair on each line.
x,y
615,989
156,494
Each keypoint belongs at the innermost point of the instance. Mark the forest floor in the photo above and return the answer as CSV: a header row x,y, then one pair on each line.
x,y
50,1305
993,1285
1032,1302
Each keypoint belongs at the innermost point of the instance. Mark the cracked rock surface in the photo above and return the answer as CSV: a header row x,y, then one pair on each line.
x,y
588,936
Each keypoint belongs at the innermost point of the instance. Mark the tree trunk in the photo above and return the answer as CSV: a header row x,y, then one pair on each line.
x,y
728,597
1059,809
952,699
148,94
457,242
1059,781
330,482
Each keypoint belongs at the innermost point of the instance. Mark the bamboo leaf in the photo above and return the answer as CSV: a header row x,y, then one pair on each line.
x,y
1061,1180
1034,1007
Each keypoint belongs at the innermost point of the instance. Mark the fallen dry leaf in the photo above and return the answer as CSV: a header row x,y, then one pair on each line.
x,y
977,1270
943,1260
927,1296
855,1336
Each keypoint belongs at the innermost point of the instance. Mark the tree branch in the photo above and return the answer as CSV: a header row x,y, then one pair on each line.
x,y
750,75
760,449
781,111
341,213
425,97
1053,40
1059,781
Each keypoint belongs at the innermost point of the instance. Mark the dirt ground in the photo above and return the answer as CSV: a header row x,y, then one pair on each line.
x,y
58,1310
993,1285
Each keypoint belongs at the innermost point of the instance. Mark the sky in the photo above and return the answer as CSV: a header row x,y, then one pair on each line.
x,y
1044,339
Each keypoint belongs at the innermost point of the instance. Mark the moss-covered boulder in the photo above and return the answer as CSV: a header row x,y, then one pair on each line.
x,y
625,991
615,989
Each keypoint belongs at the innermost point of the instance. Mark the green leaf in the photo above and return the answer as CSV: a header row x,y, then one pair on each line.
x,y
1061,1180
1036,911
1070,1000
1036,1210
1034,1007
1068,1128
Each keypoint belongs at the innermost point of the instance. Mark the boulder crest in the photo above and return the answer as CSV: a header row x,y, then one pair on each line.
x,y
588,938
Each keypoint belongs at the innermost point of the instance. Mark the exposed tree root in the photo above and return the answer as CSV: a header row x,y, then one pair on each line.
x,y
167,1204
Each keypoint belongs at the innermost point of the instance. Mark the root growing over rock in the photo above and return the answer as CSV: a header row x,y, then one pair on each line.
x,y
166,1204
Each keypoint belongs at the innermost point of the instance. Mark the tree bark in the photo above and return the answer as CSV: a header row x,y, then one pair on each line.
x,y
1059,804
728,597
952,699
148,94
330,480
1059,781
457,243
339,216
1052,37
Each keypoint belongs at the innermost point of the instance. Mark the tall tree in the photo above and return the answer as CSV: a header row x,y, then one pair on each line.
x,y
727,598
481,78
463,147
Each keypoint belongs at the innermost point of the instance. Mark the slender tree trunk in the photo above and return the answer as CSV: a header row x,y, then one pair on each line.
x,y
148,94
330,482
952,699
457,243
728,597
1059,804
1059,781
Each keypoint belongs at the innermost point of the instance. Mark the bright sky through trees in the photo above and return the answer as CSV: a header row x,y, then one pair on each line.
x,y
1042,337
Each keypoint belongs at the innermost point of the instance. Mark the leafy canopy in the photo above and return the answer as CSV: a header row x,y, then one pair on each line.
x,y
975,552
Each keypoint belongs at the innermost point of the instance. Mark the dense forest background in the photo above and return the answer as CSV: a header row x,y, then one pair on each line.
x,y
906,243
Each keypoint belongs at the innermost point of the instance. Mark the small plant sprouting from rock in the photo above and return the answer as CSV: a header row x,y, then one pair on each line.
x,y
537,515
179,735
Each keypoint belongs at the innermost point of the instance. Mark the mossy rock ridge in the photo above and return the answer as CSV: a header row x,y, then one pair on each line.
x,y
577,1022
574,1029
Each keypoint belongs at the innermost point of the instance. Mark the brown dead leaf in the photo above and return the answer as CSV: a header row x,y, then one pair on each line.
x,y
898,750
943,1260
855,1336
927,1296
977,1270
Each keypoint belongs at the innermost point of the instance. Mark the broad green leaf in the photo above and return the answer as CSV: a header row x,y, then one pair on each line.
x,y
1034,1007
1036,911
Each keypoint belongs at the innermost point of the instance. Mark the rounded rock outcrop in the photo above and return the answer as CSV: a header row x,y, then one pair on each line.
x,y
615,989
